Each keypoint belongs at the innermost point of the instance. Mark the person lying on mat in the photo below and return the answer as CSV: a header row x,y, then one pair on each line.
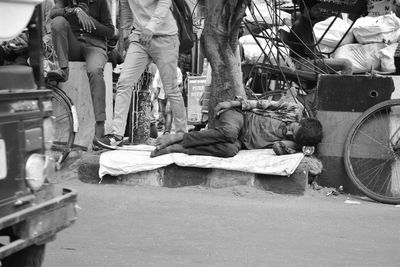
x,y
246,124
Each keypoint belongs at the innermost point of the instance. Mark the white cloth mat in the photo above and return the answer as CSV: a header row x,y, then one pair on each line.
x,y
137,159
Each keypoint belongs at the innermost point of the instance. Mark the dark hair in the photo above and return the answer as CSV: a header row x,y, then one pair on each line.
x,y
309,133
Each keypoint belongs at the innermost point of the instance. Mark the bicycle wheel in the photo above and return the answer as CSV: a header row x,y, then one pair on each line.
x,y
278,94
64,125
372,152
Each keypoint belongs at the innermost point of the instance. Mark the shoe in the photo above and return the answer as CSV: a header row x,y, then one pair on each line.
x,y
58,75
160,126
108,141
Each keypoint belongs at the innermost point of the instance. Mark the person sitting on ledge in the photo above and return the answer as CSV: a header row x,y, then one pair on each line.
x,y
246,124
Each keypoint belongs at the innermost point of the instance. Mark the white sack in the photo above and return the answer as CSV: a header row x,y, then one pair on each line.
x,y
253,52
387,58
334,34
363,57
382,29
264,12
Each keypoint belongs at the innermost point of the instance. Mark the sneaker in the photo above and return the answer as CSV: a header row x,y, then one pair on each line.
x,y
108,141
58,75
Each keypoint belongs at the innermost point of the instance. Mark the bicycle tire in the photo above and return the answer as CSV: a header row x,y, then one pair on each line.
x,y
65,129
278,94
372,152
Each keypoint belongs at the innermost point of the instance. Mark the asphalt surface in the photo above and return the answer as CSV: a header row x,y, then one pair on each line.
x,y
237,226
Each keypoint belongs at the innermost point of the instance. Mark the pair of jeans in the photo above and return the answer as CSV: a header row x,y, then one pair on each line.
x,y
69,48
222,141
163,50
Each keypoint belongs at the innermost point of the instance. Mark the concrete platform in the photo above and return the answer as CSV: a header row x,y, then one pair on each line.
x,y
175,176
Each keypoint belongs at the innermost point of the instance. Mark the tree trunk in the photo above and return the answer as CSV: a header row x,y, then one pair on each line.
x,y
221,29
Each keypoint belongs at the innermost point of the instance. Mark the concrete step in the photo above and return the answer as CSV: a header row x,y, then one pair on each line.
x,y
175,176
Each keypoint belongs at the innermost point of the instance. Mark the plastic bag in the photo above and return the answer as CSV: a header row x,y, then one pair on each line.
x,y
382,29
363,57
253,53
264,12
335,32
387,58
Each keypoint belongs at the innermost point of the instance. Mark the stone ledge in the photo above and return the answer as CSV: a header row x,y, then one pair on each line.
x,y
175,176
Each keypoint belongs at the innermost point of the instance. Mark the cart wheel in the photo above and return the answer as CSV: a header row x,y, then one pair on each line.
x,y
372,152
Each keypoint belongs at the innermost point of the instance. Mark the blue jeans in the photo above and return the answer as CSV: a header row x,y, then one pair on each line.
x,y
222,141
163,50
68,48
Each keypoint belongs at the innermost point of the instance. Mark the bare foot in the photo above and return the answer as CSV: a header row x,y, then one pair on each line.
x,y
178,148
158,152
167,140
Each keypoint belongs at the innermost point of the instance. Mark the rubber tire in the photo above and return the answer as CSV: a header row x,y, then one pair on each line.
x,y
66,104
347,153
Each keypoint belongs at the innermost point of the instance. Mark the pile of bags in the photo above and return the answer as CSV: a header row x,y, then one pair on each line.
x,y
253,51
370,44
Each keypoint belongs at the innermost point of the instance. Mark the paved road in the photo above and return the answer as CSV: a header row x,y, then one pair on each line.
x,y
238,226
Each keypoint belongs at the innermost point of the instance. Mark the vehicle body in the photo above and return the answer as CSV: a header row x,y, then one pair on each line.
x,y
32,209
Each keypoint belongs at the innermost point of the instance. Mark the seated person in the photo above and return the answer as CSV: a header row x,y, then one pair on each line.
x,y
247,124
303,48
79,30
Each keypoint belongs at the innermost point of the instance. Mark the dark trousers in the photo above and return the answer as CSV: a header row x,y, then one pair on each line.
x,y
222,141
68,48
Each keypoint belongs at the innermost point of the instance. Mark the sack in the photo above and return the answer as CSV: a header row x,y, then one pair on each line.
x,y
183,17
387,58
363,57
335,33
383,29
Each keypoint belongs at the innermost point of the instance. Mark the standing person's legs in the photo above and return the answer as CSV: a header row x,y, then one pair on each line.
x,y
164,51
96,59
66,46
135,63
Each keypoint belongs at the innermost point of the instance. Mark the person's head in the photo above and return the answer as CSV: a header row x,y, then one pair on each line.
x,y
308,132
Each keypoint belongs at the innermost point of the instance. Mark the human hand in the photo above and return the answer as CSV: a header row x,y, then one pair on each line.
x,y
84,7
222,107
283,147
85,20
145,37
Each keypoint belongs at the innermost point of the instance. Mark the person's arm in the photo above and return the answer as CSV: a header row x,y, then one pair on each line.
x,y
260,104
285,147
104,27
126,18
60,9
224,106
156,20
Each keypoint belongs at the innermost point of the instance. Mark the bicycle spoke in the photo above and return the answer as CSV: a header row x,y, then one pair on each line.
x,y
373,139
372,159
